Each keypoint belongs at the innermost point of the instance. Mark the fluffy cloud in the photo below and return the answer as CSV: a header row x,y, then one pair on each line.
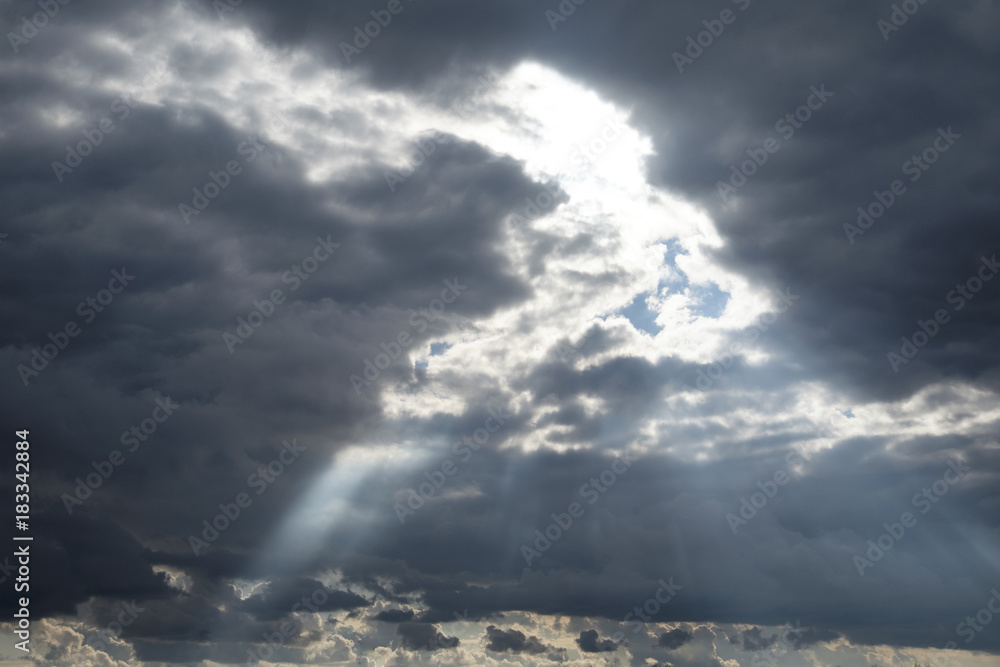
x,y
513,641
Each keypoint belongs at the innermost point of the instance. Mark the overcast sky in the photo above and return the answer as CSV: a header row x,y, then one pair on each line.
x,y
502,332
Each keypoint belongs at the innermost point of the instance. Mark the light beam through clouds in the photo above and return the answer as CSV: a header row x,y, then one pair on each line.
x,y
563,185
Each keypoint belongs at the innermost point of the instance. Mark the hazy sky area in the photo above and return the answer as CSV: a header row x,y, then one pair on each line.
x,y
504,333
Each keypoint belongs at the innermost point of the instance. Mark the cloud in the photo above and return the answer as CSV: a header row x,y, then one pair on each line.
x,y
596,324
280,598
754,640
810,637
424,637
589,643
395,615
674,639
513,641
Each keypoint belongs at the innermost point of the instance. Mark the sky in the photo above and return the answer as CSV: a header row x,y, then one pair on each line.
x,y
430,332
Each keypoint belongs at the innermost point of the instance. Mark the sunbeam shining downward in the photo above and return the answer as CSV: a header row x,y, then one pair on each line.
x,y
457,332
324,507
567,134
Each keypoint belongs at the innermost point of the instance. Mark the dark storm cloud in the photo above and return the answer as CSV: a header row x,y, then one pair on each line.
x,y
674,639
580,573
395,615
85,558
589,643
162,336
424,637
216,564
754,640
280,598
890,97
513,641
811,636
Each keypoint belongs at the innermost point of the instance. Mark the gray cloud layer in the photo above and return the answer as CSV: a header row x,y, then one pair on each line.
x,y
160,338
